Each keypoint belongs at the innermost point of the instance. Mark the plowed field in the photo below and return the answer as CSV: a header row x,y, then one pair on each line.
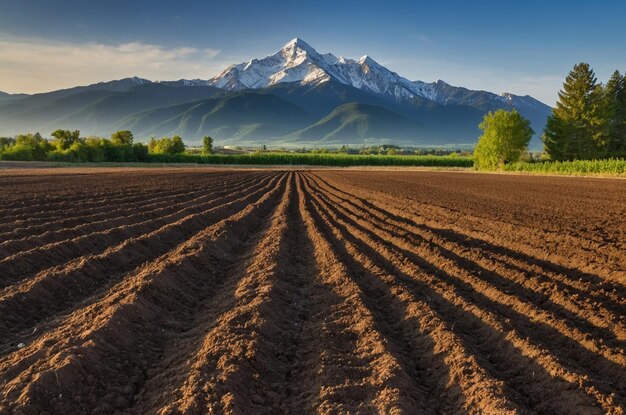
x,y
171,291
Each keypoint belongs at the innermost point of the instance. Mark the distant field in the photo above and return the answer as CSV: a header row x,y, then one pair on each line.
x,y
190,290
608,167
312,159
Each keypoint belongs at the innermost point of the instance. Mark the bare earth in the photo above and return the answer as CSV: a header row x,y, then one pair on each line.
x,y
195,291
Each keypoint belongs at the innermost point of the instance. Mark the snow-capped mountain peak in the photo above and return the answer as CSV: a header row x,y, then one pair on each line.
x,y
297,44
299,62
367,60
296,61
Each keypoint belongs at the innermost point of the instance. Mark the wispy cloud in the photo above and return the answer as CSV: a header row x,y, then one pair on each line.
x,y
35,65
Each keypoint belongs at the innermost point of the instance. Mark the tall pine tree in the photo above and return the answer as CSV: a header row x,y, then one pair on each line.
x,y
575,128
615,101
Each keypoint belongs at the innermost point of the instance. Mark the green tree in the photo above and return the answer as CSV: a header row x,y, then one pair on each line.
x,y
505,139
615,106
6,142
79,151
166,145
63,139
207,145
95,149
123,137
17,153
30,146
152,145
140,152
575,130
177,147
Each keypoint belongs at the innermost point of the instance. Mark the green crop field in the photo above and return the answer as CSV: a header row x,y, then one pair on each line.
x,y
315,159
577,167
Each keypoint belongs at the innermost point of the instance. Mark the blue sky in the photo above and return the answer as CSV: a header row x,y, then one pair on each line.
x,y
523,47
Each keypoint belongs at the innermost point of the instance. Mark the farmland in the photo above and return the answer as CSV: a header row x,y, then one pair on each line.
x,y
320,291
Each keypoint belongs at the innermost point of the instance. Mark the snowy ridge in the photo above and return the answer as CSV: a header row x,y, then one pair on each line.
x,y
297,61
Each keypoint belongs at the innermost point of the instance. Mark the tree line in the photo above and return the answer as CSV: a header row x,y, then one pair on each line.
x,y
67,145
588,123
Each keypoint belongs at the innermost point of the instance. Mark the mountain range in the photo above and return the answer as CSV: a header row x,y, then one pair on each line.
x,y
295,97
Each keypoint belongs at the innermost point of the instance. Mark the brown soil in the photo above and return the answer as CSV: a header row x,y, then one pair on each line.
x,y
191,291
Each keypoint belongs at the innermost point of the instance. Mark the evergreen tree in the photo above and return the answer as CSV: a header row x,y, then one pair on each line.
x,y
615,106
575,130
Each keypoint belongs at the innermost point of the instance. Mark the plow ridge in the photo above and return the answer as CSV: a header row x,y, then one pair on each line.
x,y
113,219
477,299
517,239
21,264
114,208
161,295
188,292
494,270
93,203
51,291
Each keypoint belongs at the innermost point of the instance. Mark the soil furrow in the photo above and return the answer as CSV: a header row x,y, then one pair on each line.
x,y
95,362
253,290
358,368
402,262
599,355
23,264
232,358
116,219
117,209
106,184
421,334
90,202
23,306
592,318
565,254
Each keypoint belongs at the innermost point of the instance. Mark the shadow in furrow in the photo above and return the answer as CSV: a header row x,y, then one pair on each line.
x,y
30,238
236,338
607,295
378,298
502,367
415,385
53,292
104,360
74,216
20,266
92,201
502,283
571,273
